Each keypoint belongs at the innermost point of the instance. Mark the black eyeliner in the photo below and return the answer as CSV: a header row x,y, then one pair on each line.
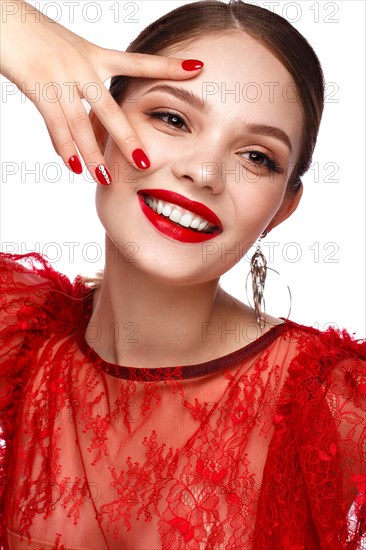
x,y
272,164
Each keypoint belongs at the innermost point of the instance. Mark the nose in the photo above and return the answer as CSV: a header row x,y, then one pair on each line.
x,y
203,165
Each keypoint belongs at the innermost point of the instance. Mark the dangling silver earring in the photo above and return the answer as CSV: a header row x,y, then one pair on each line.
x,y
258,270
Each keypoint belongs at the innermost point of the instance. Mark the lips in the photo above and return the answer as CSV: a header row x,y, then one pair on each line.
x,y
212,228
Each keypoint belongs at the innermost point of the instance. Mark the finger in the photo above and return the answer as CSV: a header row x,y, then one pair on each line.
x,y
59,132
114,120
146,66
82,134
53,141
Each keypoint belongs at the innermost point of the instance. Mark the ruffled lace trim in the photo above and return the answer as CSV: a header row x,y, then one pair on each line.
x,y
268,454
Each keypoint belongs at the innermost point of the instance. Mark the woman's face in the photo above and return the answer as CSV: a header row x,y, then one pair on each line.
x,y
231,150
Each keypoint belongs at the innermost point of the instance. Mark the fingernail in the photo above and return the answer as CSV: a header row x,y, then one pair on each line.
x,y
103,175
75,164
141,160
192,64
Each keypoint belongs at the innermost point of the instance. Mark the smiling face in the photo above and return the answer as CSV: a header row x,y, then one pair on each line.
x,y
231,150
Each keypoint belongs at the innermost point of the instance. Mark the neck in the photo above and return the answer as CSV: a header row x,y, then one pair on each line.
x,y
146,322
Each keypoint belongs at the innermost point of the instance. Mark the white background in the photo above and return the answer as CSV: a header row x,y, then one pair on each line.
x,y
319,251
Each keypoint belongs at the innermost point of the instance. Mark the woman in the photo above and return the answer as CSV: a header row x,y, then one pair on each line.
x,y
133,420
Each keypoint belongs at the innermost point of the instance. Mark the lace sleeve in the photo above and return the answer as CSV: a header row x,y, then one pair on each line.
x,y
25,281
329,388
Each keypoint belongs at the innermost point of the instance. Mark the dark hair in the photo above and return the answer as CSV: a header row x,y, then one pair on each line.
x,y
192,21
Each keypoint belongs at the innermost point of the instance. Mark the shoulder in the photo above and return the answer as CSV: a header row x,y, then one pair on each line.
x,y
330,362
33,269
30,269
33,293
324,401
330,345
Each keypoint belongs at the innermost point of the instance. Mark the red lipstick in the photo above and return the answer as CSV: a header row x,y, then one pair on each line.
x,y
173,230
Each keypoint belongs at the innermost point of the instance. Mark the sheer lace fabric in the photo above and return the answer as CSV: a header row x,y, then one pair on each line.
x,y
260,449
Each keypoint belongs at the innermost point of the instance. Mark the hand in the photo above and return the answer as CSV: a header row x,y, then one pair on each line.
x,y
38,52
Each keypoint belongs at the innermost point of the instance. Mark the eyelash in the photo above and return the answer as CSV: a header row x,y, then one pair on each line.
x,y
160,114
271,163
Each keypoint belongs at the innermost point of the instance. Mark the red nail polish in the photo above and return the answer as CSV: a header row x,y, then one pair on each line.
x,y
192,64
141,160
75,164
103,175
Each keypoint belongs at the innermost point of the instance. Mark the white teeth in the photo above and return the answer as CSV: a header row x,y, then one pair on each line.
x,y
167,210
196,222
186,220
178,215
175,216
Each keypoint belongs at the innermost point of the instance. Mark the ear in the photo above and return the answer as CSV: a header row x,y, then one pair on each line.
x,y
100,132
288,206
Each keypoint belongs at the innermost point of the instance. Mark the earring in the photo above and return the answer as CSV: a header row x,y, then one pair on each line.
x,y
258,270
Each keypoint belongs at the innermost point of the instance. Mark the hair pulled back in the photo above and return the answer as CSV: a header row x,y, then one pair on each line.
x,y
198,19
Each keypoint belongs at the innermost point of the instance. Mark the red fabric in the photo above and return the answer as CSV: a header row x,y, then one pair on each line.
x,y
260,449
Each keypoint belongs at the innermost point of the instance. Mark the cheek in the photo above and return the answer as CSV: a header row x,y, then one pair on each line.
x,y
125,177
161,154
254,208
109,148
116,161
156,142
259,198
105,207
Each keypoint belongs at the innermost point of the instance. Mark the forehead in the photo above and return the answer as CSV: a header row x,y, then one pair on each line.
x,y
235,61
244,76
254,57
242,81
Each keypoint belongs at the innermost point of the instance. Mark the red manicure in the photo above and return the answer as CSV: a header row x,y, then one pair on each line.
x,y
140,159
192,64
103,175
75,164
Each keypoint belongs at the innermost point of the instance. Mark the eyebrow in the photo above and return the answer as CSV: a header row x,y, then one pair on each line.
x,y
202,106
184,95
271,131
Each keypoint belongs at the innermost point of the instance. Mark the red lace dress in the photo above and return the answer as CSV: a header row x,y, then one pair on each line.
x,y
259,449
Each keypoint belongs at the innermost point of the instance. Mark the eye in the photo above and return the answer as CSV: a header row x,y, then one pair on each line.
x,y
173,120
261,159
